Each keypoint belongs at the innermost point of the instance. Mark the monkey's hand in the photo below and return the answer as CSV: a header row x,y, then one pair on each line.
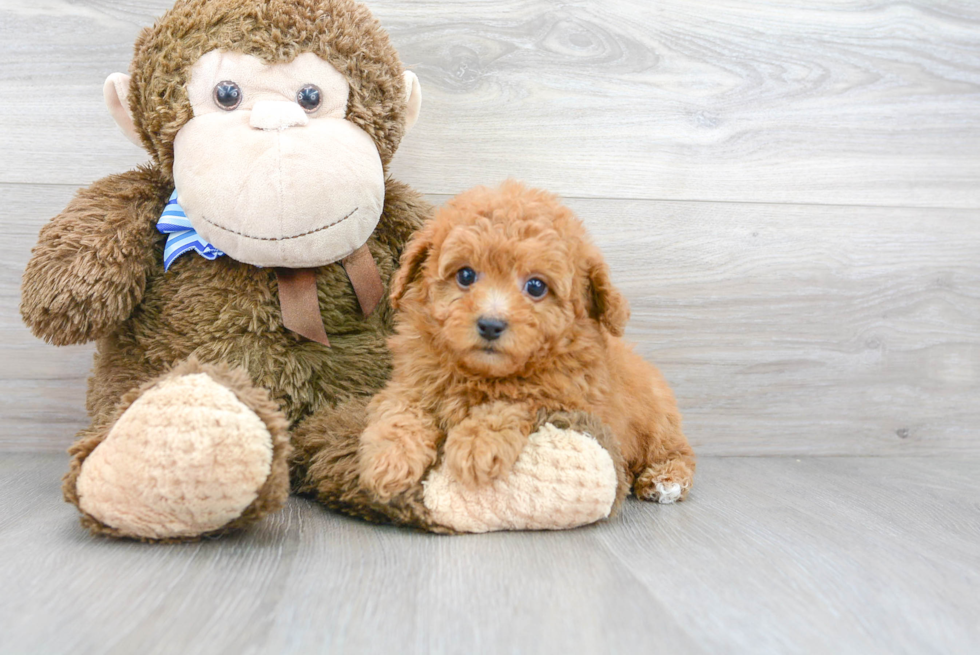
x,y
484,446
88,270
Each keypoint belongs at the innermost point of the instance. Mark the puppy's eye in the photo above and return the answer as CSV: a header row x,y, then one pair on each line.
x,y
227,95
465,276
308,98
536,288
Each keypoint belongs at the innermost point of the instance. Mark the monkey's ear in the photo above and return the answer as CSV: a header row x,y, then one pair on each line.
x,y
116,92
413,98
606,304
412,261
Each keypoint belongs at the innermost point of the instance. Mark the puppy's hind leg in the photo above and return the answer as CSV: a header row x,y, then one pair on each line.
x,y
645,415
666,482
666,474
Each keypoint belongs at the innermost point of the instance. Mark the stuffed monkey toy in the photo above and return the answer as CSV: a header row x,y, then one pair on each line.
x,y
236,288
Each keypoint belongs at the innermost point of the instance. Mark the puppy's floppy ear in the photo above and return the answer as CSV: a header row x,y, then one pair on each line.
x,y
412,261
606,304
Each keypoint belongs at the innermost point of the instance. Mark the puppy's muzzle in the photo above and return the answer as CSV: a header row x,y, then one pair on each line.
x,y
490,328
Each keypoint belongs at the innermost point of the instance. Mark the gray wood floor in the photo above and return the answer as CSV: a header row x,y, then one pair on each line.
x,y
771,555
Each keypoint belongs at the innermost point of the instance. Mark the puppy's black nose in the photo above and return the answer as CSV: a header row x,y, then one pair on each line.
x,y
490,328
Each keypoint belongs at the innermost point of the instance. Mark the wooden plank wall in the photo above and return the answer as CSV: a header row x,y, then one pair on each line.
x,y
788,192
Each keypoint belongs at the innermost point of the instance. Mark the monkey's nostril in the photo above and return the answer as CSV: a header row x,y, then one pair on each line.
x,y
490,328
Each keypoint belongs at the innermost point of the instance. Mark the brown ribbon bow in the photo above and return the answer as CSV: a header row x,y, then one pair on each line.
x,y
301,307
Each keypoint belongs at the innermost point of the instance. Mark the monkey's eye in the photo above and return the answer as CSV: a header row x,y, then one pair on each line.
x,y
536,288
309,97
227,95
465,276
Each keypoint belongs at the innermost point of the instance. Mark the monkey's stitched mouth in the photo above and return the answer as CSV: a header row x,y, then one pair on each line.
x,y
294,236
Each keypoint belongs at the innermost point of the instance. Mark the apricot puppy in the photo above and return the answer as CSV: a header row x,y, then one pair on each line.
x,y
505,308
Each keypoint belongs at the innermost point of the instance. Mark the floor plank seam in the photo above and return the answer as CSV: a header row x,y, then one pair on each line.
x,y
446,196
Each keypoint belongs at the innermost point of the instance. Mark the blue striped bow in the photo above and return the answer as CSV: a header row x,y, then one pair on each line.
x,y
181,235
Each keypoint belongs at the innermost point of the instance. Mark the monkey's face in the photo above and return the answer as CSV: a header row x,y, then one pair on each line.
x,y
268,169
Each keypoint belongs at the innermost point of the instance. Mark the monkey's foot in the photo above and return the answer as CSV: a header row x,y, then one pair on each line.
x,y
197,452
564,478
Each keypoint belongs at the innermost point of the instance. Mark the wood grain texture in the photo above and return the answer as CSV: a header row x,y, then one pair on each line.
x,y
783,329
857,102
42,388
769,556
805,330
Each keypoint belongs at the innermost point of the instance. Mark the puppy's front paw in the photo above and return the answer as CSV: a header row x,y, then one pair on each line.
x,y
476,456
390,468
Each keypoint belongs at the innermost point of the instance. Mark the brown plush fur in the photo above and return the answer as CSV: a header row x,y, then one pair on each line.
x,y
479,399
97,270
325,467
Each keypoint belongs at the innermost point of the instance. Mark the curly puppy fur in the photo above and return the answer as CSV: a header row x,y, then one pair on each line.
x,y
477,398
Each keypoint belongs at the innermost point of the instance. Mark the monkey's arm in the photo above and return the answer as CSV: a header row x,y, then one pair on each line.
x,y
89,267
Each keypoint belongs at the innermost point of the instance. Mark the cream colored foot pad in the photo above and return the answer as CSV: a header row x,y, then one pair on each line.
x,y
187,457
563,479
